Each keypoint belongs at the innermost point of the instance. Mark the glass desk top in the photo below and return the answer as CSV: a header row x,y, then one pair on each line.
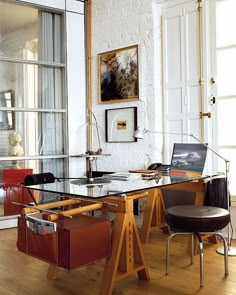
x,y
115,187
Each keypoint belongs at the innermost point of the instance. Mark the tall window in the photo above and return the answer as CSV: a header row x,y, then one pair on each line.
x,y
226,83
32,88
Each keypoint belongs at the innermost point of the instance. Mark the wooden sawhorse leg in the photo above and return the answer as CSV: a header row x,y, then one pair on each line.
x,y
153,215
127,254
52,271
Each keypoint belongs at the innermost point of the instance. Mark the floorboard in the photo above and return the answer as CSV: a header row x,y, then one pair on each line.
x,y
21,274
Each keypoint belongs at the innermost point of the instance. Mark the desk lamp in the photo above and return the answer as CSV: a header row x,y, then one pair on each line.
x,y
139,134
91,156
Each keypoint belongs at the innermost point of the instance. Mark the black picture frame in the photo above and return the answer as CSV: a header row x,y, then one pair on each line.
x,y
121,124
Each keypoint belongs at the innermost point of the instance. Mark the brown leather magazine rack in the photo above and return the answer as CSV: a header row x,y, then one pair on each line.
x,y
65,242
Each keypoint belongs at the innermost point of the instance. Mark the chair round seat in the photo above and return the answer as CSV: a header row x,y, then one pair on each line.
x,y
193,218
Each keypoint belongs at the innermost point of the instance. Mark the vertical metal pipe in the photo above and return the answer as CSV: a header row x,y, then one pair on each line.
x,y
192,247
201,256
88,53
201,78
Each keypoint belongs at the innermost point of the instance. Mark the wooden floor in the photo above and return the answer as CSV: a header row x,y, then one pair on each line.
x,y
1,210
21,274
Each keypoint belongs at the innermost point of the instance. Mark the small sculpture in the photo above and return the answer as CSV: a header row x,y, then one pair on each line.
x,y
15,148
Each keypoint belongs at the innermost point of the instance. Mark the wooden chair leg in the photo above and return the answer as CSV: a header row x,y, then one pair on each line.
x,y
153,215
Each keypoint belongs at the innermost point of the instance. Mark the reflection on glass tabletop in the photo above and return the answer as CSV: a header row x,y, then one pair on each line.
x,y
101,188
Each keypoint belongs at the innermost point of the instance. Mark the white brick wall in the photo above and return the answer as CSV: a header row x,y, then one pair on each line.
x,y
118,24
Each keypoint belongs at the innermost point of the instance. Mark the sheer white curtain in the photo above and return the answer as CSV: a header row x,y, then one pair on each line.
x,y
50,89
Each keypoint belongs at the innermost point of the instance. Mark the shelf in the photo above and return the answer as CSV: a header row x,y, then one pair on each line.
x,y
14,158
90,156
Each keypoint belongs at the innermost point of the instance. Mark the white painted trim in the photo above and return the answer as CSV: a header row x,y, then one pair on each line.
x,y
76,75
169,4
58,4
8,222
75,6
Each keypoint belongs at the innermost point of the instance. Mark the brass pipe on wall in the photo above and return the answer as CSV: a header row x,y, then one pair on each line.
x,y
88,54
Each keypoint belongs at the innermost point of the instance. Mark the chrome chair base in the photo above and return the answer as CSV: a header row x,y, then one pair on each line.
x,y
201,251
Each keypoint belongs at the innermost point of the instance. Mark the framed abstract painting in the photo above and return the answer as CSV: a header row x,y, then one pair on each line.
x,y
118,75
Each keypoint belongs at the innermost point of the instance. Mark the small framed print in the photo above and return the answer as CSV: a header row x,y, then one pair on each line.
x,y
121,124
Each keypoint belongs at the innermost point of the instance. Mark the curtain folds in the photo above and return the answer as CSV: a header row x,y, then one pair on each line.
x,y
51,95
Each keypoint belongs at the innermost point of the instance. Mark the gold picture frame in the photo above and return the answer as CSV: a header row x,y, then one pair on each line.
x,y
118,75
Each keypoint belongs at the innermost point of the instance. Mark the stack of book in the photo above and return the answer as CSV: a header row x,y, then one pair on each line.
x,y
122,176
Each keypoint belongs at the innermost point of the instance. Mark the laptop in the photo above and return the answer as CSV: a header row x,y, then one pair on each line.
x,y
188,159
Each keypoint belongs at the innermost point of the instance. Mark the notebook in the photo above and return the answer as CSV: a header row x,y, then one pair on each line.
x,y
188,159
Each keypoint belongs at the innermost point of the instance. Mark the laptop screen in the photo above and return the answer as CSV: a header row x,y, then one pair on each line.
x,y
188,159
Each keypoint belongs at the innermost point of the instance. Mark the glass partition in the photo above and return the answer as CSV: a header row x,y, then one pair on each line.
x,y
31,86
33,103
40,134
27,32
11,191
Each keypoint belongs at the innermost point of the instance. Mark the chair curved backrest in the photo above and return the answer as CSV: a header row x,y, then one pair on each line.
x,y
40,178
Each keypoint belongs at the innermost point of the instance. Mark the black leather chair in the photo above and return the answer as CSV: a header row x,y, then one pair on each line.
x,y
41,178
196,220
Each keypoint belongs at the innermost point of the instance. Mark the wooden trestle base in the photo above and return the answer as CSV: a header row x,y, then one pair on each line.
x,y
153,215
127,254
